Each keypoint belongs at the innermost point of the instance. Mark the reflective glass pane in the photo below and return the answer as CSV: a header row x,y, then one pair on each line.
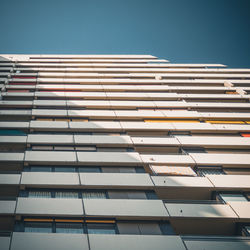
x,y
70,195
206,171
40,194
101,228
40,169
64,169
69,228
94,195
89,169
233,197
38,227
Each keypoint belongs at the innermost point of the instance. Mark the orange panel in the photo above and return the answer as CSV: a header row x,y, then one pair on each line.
x,y
185,121
226,122
38,220
170,170
79,120
100,221
245,134
71,221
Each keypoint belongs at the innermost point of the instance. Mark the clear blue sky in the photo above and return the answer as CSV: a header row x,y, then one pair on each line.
x,y
197,31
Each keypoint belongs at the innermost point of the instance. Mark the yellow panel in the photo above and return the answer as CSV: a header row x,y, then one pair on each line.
x,y
226,122
247,122
36,220
231,93
185,121
100,221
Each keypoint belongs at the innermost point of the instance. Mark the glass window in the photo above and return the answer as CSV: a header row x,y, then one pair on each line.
x,y
89,169
40,169
139,170
65,194
212,171
99,228
166,228
69,228
94,195
40,194
151,195
65,169
194,150
130,150
233,197
38,227
11,132
246,230
91,149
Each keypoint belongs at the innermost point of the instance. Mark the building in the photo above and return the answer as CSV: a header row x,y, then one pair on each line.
x,y
108,152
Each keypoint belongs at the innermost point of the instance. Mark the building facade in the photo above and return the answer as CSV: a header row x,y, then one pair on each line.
x,y
117,152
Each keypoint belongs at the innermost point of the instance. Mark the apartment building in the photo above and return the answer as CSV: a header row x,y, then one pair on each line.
x,y
108,152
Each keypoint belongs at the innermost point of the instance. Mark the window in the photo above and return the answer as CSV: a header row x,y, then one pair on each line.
x,y
151,195
139,170
39,169
210,171
70,169
106,149
65,169
67,195
39,194
38,227
70,228
246,230
11,132
166,228
98,228
89,169
194,150
232,197
86,148
94,195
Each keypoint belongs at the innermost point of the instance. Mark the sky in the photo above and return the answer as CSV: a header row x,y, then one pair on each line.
x,y
182,31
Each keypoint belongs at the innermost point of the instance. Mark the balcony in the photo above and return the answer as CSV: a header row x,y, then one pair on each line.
x,y
228,160
10,179
50,157
4,242
50,179
50,207
121,208
135,242
114,180
167,159
216,243
230,182
49,241
182,210
110,158
7,207
42,241
241,209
